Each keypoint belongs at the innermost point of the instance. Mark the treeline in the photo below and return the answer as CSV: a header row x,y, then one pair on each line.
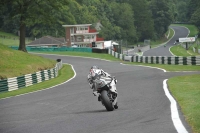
x,y
189,12
131,20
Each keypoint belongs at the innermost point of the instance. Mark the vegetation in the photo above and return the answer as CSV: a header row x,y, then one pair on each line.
x,y
163,39
186,90
19,14
16,63
62,77
122,20
178,50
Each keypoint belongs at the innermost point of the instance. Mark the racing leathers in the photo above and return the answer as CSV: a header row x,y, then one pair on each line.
x,y
102,74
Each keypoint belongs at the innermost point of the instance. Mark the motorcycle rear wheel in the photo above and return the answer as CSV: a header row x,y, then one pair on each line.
x,y
106,101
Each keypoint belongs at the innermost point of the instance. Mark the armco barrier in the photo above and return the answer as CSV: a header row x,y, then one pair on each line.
x,y
15,83
173,60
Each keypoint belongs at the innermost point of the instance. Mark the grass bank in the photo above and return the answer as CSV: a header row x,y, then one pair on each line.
x,y
15,63
62,77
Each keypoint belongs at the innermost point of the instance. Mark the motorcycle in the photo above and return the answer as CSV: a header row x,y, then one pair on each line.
x,y
106,88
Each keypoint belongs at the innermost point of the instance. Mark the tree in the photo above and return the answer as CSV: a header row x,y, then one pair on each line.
x,y
31,12
143,19
195,19
124,18
162,16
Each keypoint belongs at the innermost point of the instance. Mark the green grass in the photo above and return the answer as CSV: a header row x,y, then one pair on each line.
x,y
178,50
83,54
110,57
170,68
7,34
11,39
15,63
186,90
62,77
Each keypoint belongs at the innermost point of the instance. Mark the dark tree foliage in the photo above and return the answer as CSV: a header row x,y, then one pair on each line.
x,y
30,12
131,20
162,16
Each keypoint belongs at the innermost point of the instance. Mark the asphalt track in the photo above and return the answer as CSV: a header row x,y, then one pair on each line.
x,y
71,107
180,32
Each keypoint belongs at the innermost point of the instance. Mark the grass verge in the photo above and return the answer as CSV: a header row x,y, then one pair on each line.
x,y
169,67
178,50
110,57
14,63
186,90
64,74
84,54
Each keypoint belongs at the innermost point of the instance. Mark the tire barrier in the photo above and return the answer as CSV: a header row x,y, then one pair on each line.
x,y
172,60
15,83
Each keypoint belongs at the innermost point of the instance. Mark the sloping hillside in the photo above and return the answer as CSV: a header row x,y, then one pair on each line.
x,y
16,63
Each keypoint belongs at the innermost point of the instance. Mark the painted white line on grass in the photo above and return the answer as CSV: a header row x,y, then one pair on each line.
x,y
174,111
171,51
146,66
46,88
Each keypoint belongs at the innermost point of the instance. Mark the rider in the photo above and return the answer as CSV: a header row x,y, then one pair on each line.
x,y
96,69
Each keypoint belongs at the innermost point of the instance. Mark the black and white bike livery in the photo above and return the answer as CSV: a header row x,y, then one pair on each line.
x,y
106,88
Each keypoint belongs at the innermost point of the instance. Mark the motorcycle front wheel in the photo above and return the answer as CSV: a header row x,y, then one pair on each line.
x,y
106,101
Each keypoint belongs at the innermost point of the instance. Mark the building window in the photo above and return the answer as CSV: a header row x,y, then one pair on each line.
x,y
86,37
79,38
72,39
72,30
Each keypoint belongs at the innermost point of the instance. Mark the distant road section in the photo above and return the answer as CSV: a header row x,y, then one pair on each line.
x,y
180,32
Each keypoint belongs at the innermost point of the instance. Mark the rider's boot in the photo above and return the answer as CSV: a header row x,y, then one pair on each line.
x,y
116,106
95,93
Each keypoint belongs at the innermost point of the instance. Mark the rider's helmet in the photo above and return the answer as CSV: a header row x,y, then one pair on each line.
x,y
94,67
94,71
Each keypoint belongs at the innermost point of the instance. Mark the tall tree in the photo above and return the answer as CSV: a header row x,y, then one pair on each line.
x,y
30,12
162,16
143,19
124,18
195,18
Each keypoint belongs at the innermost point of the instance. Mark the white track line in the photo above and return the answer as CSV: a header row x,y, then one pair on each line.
x,y
46,88
146,66
174,110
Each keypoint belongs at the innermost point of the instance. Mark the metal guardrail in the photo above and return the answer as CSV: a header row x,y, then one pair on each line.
x,y
172,60
15,83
